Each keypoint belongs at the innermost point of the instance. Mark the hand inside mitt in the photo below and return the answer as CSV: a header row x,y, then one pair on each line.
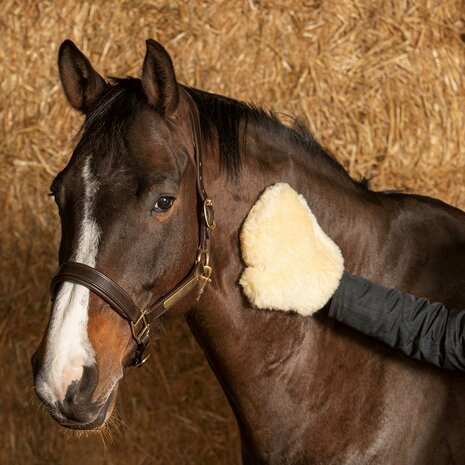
x,y
292,265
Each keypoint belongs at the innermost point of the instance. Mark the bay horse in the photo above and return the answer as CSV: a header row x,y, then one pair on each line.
x,y
135,214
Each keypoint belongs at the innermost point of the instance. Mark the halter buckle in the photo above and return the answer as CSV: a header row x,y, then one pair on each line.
x,y
137,335
203,257
204,279
209,213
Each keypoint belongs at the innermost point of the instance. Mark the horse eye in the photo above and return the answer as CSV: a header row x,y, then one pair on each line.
x,y
164,203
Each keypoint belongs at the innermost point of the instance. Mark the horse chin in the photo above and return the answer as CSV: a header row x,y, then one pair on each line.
x,y
98,422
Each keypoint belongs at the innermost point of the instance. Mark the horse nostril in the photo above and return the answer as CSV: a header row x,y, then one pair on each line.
x,y
77,404
81,391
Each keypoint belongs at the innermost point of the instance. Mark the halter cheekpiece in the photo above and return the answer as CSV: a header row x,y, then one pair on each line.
x,y
118,299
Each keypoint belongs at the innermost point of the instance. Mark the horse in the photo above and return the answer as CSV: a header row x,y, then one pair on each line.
x,y
138,232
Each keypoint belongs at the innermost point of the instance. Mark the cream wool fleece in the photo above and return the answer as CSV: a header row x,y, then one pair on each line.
x,y
292,265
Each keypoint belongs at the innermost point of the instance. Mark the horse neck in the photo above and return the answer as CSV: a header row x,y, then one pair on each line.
x,y
236,338
348,212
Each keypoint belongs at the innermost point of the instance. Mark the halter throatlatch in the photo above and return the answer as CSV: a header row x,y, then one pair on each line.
x,y
119,300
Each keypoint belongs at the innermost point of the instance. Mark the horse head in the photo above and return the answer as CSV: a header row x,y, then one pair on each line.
x,y
128,204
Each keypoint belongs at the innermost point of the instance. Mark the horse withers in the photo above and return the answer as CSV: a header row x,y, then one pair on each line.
x,y
137,235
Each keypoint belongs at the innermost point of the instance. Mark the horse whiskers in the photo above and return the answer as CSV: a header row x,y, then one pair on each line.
x,y
117,422
102,437
40,404
84,433
76,434
106,431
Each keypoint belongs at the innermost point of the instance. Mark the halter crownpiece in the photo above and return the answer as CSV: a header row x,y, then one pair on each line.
x,y
118,299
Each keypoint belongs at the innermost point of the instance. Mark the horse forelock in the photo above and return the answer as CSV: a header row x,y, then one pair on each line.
x,y
103,136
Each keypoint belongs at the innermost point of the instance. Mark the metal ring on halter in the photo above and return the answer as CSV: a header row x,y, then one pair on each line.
x,y
208,213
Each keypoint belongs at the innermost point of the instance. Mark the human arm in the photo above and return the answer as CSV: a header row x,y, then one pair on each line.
x,y
420,329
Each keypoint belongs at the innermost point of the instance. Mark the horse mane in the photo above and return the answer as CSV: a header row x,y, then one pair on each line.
x,y
104,128
225,116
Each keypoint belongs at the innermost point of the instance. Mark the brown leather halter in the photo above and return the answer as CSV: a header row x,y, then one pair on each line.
x,y
118,299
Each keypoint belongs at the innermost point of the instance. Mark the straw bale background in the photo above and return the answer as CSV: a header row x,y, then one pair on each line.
x,y
380,83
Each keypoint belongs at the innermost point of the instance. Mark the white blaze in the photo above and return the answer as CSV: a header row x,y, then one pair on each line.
x,y
68,348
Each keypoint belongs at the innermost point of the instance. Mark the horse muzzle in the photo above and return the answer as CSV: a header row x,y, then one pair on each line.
x,y
77,408
85,416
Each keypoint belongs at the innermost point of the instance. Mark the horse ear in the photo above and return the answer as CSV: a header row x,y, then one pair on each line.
x,y
158,79
81,83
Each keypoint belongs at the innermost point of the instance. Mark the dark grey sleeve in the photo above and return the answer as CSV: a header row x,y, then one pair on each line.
x,y
423,330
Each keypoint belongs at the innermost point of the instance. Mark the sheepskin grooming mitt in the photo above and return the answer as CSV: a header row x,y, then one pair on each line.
x,y
292,265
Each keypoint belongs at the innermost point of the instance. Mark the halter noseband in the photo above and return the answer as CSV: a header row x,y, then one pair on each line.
x,y
118,299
